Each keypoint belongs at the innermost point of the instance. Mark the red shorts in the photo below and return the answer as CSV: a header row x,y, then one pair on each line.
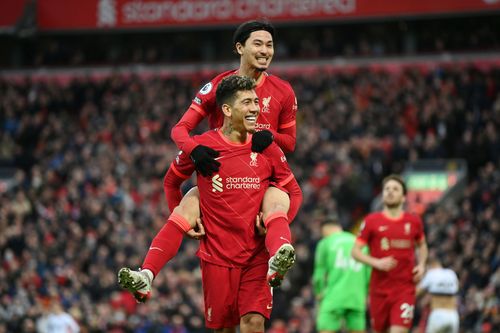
x,y
394,310
230,293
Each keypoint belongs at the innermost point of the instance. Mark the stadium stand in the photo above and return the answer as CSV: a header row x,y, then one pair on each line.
x,y
90,156
83,151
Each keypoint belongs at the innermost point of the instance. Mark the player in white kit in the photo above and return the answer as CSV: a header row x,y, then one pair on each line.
x,y
442,284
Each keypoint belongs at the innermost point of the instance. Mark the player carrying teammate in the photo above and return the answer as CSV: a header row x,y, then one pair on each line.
x,y
234,260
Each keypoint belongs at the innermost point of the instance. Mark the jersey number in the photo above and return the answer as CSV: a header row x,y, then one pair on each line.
x,y
407,311
346,262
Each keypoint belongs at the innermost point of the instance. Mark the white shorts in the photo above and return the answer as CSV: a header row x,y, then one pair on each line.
x,y
443,321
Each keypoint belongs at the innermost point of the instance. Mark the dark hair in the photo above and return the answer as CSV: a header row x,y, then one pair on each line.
x,y
331,219
245,29
230,85
397,178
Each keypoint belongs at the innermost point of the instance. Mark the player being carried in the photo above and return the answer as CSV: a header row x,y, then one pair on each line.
x,y
253,42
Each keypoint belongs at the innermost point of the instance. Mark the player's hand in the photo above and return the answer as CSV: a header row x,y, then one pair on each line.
x,y
259,224
204,160
198,231
386,263
418,273
261,140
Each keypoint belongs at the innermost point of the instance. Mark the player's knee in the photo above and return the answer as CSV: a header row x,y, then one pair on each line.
x,y
225,330
252,322
193,194
275,200
398,329
189,207
188,214
191,200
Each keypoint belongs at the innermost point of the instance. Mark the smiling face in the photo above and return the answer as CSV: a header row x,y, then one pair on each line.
x,y
393,195
257,51
243,111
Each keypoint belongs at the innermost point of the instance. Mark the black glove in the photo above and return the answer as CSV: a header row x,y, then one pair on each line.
x,y
261,140
204,160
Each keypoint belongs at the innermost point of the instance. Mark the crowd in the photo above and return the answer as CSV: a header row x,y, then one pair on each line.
x,y
390,37
87,198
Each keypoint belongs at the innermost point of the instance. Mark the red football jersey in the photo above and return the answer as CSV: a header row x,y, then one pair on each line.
x,y
231,199
278,105
392,237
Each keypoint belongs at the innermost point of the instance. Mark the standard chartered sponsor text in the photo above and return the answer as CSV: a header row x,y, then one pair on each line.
x,y
198,10
242,183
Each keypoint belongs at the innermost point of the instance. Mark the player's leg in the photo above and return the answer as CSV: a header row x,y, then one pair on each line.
x,y
252,323
226,330
442,320
189,207
220,296
355,321
329,321
275,207
398,329
255,300
379,313
454,322
163,248
275,200
433,322
402,310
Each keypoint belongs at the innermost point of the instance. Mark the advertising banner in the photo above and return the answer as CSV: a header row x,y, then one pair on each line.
x,y
10,12
125,14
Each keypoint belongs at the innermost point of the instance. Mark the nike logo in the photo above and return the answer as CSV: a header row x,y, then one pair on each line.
x,y
383,228
218,158
269,307
155,248
286,240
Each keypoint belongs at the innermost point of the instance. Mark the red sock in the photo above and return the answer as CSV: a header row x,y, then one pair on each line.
x,y
278,232
166,243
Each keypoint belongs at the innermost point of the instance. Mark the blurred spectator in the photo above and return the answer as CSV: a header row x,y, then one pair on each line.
x,y
91,155
55,321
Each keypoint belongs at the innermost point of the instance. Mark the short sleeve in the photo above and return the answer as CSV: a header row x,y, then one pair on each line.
x,y
204,102
364,232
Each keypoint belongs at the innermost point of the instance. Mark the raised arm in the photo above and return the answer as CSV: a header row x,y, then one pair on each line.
x,y
286,134
180,132
285,137
202,156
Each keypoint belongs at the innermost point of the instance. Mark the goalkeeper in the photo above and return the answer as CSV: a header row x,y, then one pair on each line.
x,y
340,282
